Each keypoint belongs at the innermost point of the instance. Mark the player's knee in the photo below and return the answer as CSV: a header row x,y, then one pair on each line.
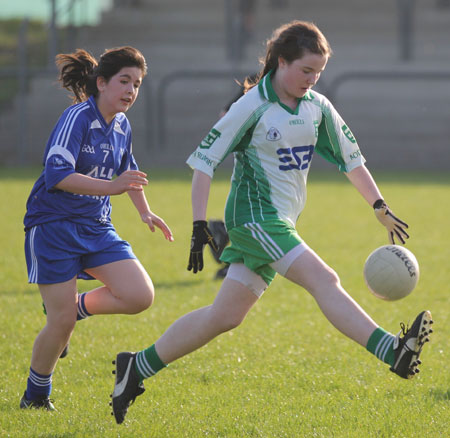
x,y
332,278
142,300
63,322
147,298
226,321
232,322
328,279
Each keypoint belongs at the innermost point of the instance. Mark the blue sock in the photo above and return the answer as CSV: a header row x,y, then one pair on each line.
x,y
82,312
38,385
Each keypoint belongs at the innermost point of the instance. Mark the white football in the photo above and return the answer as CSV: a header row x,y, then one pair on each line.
x,y
391,272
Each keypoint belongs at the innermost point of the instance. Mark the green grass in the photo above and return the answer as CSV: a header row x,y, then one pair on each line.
x,y
285,372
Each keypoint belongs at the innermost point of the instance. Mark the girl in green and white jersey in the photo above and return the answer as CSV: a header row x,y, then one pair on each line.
x,y
273,132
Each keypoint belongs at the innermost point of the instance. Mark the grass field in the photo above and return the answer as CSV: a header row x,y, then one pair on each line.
x,y
285,372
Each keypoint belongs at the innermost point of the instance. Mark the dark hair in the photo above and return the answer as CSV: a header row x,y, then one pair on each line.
x,y
79,70
290,41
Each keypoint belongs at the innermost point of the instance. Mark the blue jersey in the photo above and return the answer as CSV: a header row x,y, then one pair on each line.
x,y
81,142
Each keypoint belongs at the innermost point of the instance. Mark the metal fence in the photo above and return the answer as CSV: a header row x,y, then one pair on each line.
x,y
157,110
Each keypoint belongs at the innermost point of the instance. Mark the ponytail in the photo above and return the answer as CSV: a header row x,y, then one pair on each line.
x,y
269,63
79,71
77,74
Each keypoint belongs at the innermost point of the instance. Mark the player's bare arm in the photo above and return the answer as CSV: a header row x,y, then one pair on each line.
x,y
363,181
131,180
147,216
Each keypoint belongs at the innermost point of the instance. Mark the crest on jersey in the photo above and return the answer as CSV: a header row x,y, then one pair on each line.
x,y
273,134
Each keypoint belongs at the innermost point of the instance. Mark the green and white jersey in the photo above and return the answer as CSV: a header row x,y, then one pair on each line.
x,y
273,146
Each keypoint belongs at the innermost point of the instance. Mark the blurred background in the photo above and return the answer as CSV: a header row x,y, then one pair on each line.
x,y
389,76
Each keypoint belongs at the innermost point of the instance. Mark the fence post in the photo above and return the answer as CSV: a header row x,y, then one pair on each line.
x,y
148,113
71,27
233,29
22,75
52,36
405,13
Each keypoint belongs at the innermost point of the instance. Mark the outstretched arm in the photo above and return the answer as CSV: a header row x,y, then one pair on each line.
x,y
201,183
132,180
201,235
147,216
361,178
363,181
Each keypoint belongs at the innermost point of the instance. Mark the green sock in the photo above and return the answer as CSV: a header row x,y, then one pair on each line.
x,y
380,344
148,363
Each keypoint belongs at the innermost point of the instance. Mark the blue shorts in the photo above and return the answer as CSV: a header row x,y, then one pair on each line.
x,y
58,251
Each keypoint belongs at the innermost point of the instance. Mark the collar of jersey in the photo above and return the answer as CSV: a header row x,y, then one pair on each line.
x,y
266,90
99,116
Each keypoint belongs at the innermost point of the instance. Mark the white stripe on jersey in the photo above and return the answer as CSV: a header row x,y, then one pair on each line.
x,y
32,278
261,211
269,245
250,201
64,133
60,146
266,93
59,150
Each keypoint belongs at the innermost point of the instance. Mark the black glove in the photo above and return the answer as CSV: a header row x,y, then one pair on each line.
x,y
201,235
219,232
394,226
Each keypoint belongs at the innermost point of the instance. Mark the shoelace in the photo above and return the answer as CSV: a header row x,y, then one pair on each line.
x,y
404,329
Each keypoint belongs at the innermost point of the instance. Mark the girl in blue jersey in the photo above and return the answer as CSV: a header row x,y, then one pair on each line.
x,y
68,227
273,131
